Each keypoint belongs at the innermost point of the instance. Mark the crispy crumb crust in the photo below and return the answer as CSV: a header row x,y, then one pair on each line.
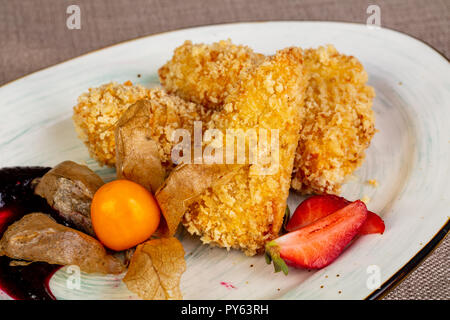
x,y
168,113
97,112
247,211
337,128
338,124
205,74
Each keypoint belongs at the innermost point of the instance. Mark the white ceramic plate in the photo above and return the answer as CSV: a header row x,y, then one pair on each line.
x,y
409,156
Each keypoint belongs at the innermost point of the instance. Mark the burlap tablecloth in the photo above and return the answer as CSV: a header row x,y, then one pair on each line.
x,y
33,35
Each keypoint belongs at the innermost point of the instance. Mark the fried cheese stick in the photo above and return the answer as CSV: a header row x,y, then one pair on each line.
x,y
335,131
98,111
339,122
247,210
204,73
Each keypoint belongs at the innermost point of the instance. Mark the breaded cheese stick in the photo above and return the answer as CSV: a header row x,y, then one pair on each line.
x,y
205,73
98,111
338,124
247,209
337,128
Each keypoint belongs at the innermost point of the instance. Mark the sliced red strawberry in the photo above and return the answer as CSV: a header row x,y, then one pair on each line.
x,y
373,224
320,243
317,207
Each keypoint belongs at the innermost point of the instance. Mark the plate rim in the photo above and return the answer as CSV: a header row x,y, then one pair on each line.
x,y
411,265
415,260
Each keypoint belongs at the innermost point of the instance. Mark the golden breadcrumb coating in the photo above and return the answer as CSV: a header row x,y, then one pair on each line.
x,y
168,113
338,124
97,112
247,211
204,73
337,128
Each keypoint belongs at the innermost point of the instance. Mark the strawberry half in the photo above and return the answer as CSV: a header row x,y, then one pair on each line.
x,y
320,243
317,207
373,224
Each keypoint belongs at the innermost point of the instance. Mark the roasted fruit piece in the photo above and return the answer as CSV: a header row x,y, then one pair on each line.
x,y
247,210
319,206
37,237
69,188
205,74
320,243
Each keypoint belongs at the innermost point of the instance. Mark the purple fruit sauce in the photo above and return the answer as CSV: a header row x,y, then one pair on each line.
x,y
29,282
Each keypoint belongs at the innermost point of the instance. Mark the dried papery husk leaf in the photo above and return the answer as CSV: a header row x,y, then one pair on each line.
x,y
184,184
155,270
137,155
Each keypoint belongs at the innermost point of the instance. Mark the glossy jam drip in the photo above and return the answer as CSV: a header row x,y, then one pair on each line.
x,y
29,282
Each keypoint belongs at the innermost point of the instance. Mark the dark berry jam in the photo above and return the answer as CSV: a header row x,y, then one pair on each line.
x,y
28,282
